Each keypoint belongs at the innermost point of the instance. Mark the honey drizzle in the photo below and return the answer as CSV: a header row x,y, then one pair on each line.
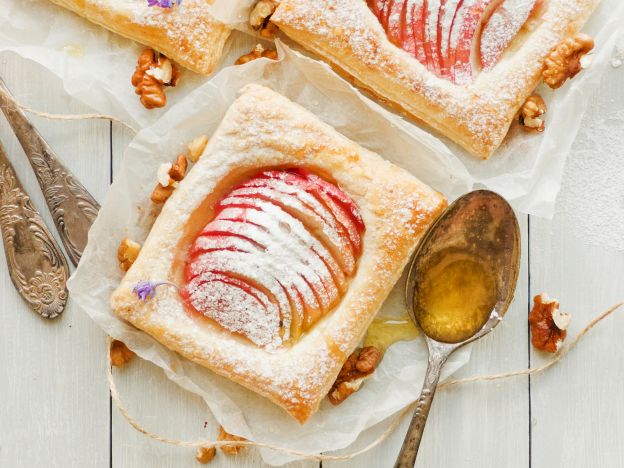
x,y
384,332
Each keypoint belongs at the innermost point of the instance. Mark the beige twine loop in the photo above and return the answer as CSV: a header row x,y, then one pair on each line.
x,y
49,116
383,436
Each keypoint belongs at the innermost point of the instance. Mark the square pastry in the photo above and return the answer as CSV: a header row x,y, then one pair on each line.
x,y
185,33
464,67
278,247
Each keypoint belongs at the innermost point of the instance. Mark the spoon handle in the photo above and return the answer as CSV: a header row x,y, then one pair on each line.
x,y
72,207
36,265
409,449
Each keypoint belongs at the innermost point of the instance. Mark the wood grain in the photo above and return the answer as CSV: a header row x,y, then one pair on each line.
x,y
53,389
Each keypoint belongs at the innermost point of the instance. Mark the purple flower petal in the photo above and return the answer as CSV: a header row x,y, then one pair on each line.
x,y
163,3
146,290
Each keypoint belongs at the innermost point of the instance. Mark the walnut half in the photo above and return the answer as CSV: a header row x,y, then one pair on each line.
x,y
127,253
548,324
205,455
259,18
168,177
230,449
564,61
531,113
257,52
359,365
153,72
120,354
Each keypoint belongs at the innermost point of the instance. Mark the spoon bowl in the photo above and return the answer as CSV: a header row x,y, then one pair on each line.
x,y
459,287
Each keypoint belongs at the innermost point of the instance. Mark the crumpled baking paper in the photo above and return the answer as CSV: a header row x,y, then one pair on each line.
x,y
125,212
96,67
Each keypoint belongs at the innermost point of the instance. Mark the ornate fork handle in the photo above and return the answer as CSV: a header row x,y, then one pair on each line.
x,y
72,207
36,264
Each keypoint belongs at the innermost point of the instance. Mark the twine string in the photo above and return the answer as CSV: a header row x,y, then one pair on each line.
x,y
383,436
49,116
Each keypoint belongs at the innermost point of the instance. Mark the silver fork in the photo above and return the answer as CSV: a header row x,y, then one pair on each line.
x,y
72,207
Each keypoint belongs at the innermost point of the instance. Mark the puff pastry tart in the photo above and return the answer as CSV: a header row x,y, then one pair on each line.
x,y
186,33
283,240
464,67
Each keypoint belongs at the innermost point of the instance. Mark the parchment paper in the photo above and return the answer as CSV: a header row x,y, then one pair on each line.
x,y
399,378
96,67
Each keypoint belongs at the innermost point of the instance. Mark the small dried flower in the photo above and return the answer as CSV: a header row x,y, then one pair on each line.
x,y
163,3
146,290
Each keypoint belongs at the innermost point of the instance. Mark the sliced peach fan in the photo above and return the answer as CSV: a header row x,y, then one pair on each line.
x,y
276,257
454,38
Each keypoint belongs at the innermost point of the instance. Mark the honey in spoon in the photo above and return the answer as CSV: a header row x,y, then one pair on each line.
x,y
455,297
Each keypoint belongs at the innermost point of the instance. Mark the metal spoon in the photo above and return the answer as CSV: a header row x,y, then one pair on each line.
x,y
36,264
480,225
72,207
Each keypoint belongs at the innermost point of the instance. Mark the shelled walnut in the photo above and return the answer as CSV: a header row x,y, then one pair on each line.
x,y
257,52
120,355
153,72
197,147
548,324
564,61
531,113
260,16
168,177
205,455
230,449
127,253
360,364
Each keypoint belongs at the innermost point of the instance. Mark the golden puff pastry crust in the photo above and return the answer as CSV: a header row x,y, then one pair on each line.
x,y
262,130
185,33
476,115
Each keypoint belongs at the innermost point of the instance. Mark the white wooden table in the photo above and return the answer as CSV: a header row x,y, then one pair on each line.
x,y
56,411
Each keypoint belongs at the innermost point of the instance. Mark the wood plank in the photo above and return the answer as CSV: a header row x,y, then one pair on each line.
x,y
578,257
55,406
481,424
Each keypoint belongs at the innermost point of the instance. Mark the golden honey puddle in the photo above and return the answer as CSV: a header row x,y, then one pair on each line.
x,y
384,332
455,298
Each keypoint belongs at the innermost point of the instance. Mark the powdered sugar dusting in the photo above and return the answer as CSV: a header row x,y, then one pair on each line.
x,y
257,247
476,114
502,27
